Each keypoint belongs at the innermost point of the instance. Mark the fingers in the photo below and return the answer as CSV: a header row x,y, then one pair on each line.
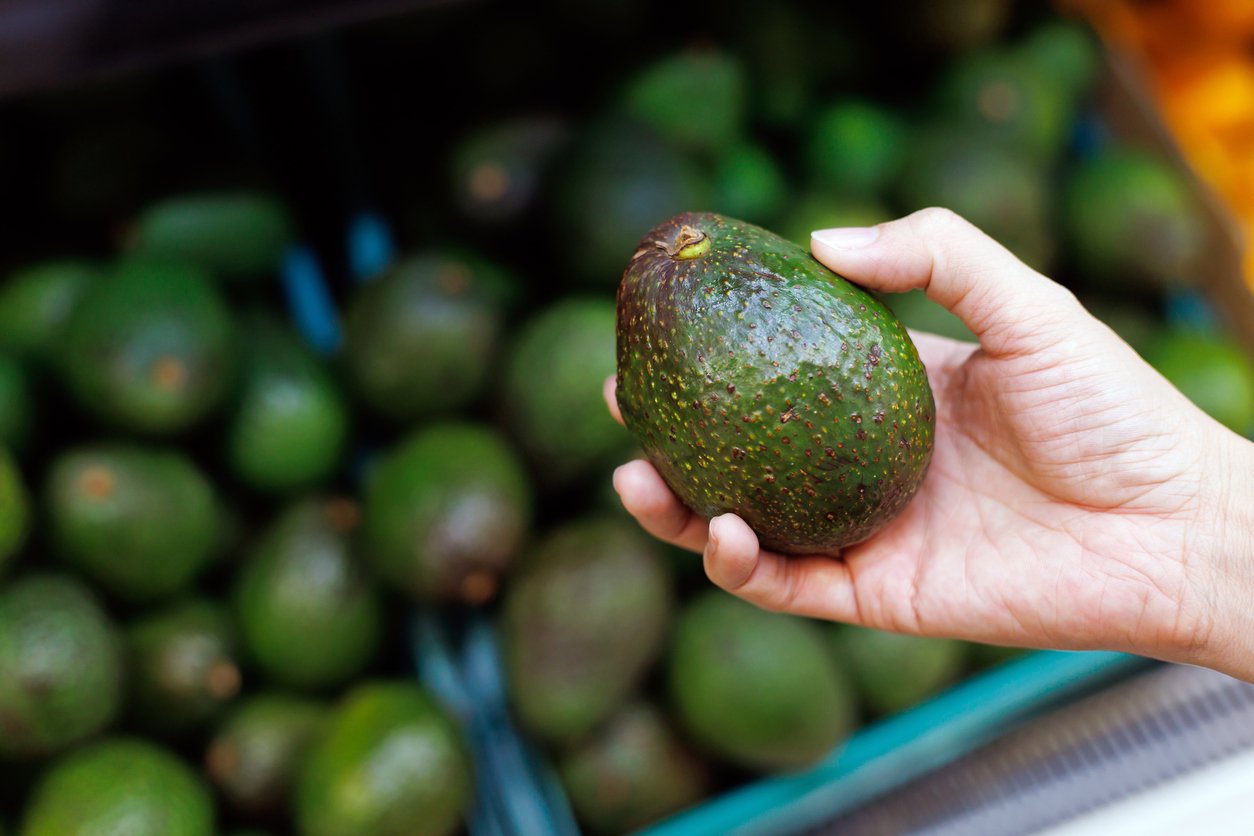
x,y
659,512
818,586
1005,303
609,391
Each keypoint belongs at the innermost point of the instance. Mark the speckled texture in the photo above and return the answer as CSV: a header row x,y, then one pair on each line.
x,y
759,382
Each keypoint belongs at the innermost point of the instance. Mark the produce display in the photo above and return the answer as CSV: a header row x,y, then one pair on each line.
x,y
213,531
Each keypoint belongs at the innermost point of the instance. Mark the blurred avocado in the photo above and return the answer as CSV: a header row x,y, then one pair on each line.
x,y
288,429
36,303
446,512
773,37
551,392
920,313
120,786
631,772
61,666
953,26
892,671
421,339
761,690
309,617
17,403
14,509
390,762
1131,220
696,98
855,149
183,668
621,178
581,622
1211,370
1064,51
141,523
150,348
821,211
234,235
255,753
501,172
748,184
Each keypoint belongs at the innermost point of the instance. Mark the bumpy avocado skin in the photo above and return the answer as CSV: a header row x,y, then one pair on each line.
x,y
759,382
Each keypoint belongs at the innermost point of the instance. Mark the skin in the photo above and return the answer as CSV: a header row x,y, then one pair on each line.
x,y
1075,500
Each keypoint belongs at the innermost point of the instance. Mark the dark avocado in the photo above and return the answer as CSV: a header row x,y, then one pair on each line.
x,y
14,509
696,99
17,403
892,671
500,172
36,302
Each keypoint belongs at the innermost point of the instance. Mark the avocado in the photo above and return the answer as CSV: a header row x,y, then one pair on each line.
x,y
696,99
309,616
1131,220
775,40
150,348
36,302
855,149
892,671
446,512
142,523
421,340
633,771
120,785
759,382
821,211
17,402
234,235
61,666
748,183
14,509
620,178
1003,194
501,171
288,429
183,666
255,753
920,313
952,27
758,689
390,763
552,391
1211,370
1065,52
582,620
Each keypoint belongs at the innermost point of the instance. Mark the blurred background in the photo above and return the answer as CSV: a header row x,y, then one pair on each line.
x,y
306,523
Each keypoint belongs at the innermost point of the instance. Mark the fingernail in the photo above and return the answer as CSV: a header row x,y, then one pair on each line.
x,y
846,238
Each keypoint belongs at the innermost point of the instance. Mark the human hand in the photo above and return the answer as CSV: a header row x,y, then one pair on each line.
x,y
1075,498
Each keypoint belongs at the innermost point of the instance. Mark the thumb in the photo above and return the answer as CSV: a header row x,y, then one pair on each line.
x,y
1008,305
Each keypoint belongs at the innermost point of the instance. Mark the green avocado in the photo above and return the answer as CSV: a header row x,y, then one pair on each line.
x,y
421,339
255,753
620,178
696,99
61,667
309,616
892,671
150,348
760,690
1001,193
183,667
1131,220
390,763
821,211
1212,370
142,523
14,509
500,172
117,786
1065,52
36,302
552,392
17,403
759,382
633,771
446,513
289,426
582,620
234,235
855,149
748,183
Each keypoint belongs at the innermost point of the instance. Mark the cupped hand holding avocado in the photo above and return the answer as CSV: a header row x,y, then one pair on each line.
x,y
1074,499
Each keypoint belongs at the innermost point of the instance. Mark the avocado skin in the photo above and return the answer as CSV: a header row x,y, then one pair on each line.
x,y
855,149
36,302
61,666
759,382
696,99
893,671
142,523
390,762
120,785
583,618
14,509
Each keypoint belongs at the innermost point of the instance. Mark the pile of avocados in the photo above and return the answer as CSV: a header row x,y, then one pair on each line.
x,y
213,534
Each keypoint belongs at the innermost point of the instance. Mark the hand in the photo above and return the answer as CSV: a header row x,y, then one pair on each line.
x,y
1075,499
